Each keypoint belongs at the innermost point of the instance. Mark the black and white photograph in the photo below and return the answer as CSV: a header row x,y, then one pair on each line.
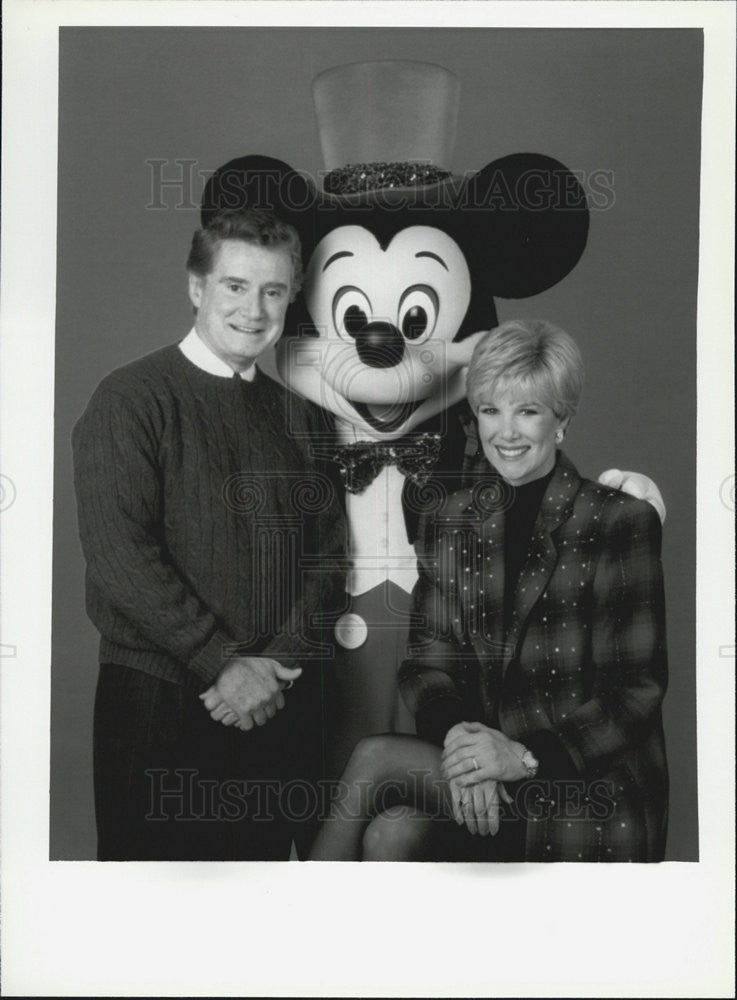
x,y
368,496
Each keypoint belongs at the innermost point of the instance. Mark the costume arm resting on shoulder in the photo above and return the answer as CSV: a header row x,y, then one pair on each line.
x,y
636,485
117,481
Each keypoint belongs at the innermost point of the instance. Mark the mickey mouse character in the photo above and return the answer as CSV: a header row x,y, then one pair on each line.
x,y
404,262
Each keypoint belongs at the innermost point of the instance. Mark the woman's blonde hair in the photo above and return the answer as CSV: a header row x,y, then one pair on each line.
x,y
527,355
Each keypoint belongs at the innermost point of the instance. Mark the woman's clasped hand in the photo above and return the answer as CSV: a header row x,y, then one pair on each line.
x,y
475,762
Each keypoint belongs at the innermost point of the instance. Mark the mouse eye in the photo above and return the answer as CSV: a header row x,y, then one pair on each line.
x,y
418,312
351,311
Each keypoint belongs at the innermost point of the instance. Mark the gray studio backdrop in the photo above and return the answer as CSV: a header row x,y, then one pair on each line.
x,y
133,101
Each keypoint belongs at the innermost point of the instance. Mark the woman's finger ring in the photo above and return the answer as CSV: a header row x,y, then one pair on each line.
x,y
475,764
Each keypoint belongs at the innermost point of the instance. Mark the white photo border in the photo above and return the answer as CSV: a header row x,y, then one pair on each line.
x,y
85,929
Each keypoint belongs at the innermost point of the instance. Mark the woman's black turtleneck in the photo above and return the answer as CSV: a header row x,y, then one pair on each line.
x,y
519,520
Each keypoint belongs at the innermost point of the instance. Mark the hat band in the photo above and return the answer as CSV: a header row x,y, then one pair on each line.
x,y
357,177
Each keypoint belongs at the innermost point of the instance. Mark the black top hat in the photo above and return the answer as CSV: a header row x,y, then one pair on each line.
x,y
387,130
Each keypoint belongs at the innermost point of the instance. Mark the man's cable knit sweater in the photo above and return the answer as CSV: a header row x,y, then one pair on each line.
x,y
204,524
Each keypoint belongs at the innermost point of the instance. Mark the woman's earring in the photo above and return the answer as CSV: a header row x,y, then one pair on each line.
x,y
558,436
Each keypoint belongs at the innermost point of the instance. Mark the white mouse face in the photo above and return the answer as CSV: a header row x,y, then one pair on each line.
x,y
383,359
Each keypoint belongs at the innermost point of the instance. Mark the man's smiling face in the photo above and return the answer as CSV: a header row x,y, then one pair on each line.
x,y
242,302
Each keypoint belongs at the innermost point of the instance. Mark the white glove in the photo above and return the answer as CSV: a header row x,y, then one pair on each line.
x,y
636,485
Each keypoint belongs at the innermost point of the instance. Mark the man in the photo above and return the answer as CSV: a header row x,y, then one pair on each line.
x,y
209,564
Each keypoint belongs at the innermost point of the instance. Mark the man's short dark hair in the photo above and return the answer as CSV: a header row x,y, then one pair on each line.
x,y
259,228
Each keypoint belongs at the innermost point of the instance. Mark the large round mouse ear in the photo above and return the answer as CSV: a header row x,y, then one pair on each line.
x,y
263,183
532,222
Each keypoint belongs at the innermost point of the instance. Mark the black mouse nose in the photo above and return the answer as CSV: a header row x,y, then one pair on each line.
x,y
380,345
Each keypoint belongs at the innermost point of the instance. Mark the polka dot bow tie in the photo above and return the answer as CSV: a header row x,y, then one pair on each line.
x,y
361,463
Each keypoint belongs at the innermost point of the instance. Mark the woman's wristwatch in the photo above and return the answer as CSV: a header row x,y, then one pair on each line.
x,y
530,763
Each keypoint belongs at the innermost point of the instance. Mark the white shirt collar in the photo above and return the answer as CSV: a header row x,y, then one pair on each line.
x,y
196,350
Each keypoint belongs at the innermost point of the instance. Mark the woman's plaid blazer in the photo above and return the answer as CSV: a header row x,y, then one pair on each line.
x,y
578,675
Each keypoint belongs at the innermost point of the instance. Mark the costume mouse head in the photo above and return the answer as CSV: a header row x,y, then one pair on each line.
x,y
403,258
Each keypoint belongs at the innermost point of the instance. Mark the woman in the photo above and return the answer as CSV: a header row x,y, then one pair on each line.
x,y
537,662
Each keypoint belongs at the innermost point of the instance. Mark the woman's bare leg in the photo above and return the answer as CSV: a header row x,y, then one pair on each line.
x,y
400,833
385,774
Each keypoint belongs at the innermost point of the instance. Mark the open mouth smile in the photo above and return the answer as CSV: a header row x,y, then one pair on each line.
x,y
512,452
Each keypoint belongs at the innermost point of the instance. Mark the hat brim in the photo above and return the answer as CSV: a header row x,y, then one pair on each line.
x,y
442,195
